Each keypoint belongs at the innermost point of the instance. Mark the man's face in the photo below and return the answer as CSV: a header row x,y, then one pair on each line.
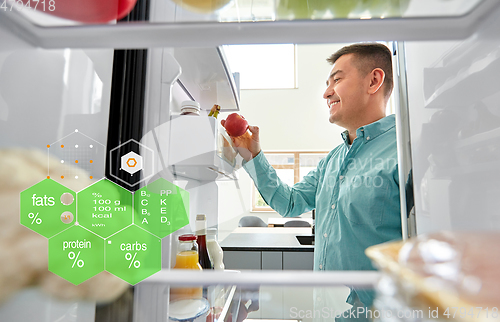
x,y
344,92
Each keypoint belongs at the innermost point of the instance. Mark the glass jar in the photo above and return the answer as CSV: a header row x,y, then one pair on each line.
x,y
186,258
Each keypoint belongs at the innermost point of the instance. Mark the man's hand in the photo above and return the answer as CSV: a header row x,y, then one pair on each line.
x,y
247,145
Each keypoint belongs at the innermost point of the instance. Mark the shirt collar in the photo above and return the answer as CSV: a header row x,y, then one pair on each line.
x,y
345,137
372,130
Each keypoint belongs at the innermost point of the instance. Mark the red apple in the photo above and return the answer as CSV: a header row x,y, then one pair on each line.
x,y
236,125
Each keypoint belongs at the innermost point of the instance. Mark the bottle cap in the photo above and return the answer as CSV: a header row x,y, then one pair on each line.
x,y
190,107
201,224
187,237
193,104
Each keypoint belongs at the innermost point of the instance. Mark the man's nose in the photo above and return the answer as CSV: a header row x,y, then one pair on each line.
x,y
328,92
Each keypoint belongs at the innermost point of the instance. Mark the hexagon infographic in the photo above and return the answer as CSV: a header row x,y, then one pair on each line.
x,y
104,208
136,162
80,150
76,254
161,208
105,226
133,254
48,208
131,162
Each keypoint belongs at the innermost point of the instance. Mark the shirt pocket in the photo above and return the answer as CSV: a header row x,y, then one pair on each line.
x,y
363,199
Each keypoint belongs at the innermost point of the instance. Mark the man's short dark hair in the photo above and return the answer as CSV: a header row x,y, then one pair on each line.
x,y
367,57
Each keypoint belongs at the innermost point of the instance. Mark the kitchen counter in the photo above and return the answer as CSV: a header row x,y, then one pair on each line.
x,y
266,239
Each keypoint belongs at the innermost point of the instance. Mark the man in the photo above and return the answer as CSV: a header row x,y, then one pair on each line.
x,y
355,188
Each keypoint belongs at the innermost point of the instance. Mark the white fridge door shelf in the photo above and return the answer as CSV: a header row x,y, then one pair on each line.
x,y
255,278
205,34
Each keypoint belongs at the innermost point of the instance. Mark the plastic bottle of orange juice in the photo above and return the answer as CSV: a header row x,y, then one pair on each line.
x,y
187,258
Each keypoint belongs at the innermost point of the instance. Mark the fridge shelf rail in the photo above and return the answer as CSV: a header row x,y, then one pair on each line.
x,y
276,278
147,35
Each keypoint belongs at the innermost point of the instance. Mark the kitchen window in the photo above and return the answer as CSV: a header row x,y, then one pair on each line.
x,y
291,167
264,66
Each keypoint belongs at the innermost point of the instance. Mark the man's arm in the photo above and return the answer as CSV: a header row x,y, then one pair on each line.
x,y
287,201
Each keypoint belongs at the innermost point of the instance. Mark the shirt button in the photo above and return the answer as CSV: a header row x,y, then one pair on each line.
x,y
367,138
320,266
341,177
333,206
325,234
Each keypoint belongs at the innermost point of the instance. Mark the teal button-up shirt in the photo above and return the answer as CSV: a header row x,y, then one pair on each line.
x,y
355,191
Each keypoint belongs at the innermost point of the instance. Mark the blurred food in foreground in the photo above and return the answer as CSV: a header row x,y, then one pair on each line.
x,y
339,9
202,6
444,270
23,253
89,11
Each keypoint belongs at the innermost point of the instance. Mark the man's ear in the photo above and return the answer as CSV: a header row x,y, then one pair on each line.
x,y
377,77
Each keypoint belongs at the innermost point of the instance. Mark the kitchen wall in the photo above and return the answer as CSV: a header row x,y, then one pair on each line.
x,y
289,120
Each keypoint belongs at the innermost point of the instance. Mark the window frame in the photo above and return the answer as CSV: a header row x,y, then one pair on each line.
x,y
296,174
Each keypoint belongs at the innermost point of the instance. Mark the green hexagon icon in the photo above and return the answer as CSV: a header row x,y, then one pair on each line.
x,y
161,207
133,254
104,208
76,254
48,208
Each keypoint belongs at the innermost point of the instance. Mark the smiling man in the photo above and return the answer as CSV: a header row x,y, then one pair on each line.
x,y
357,70
355,188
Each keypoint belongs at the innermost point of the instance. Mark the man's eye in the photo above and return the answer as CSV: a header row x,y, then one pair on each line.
x,y
336,80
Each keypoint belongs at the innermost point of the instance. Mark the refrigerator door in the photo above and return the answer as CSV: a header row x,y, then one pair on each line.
x,y
454,112
54,107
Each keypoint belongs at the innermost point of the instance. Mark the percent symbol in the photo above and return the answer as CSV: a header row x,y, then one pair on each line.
x,y
129,257
79,263
35,219
96,194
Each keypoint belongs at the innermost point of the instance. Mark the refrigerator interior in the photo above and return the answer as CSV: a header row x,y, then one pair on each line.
x,y
60,93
